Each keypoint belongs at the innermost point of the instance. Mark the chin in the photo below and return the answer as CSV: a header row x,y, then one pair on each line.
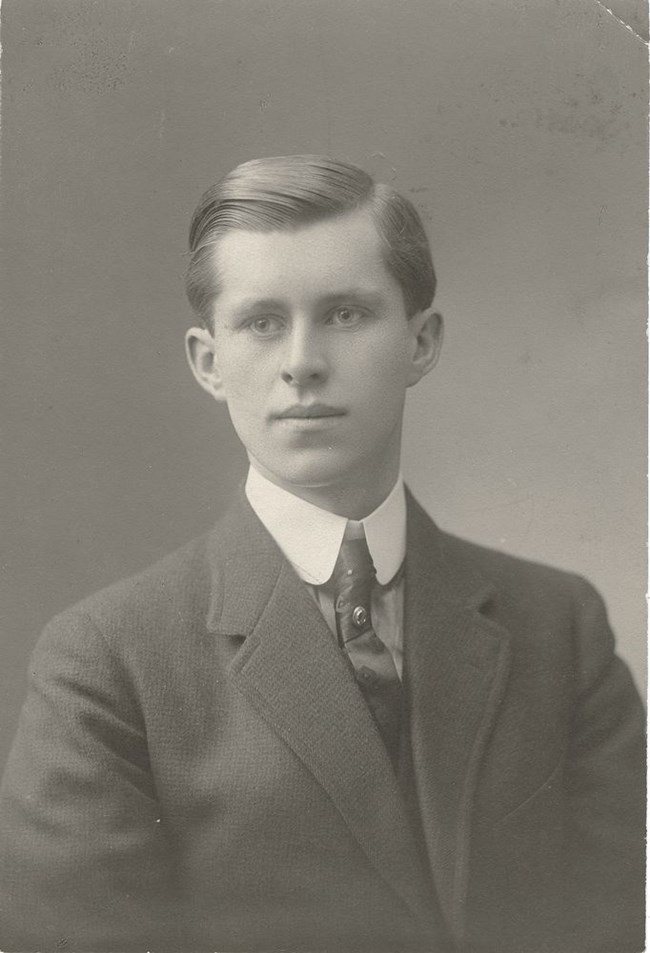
x,y
309,474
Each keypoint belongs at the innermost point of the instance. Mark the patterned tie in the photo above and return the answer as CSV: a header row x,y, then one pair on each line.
x,y
372,663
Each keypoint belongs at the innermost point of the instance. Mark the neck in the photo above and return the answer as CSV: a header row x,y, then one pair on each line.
x,y
352,499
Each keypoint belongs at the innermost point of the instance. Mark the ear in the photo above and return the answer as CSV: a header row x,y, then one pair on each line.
x,y
201,353
427,332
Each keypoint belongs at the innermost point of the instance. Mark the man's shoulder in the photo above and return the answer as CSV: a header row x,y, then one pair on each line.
x,y
175,585
482,559
547,611
175,590
511,578
506,568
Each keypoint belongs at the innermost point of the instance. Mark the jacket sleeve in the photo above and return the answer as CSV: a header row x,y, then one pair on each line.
x,y
606,794
83,863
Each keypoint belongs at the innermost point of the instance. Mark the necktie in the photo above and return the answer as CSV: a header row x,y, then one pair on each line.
x,y
372,663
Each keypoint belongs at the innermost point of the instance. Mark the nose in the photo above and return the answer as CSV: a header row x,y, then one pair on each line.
x,y
303,361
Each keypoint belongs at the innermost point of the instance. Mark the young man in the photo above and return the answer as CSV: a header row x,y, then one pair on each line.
x,y
327,725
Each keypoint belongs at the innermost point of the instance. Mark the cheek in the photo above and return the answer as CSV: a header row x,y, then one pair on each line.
x,y
389,373
243,375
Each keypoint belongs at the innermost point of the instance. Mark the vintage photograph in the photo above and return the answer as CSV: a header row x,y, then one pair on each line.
x,y
324,532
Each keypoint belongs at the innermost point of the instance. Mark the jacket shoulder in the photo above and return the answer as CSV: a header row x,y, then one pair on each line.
x,y
485,567
546,609
549,598
177,585
506,570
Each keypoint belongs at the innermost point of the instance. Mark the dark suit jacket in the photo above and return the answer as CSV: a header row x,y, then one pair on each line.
x,y
195,768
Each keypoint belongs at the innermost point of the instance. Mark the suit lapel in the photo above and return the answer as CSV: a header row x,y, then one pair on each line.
x,y
457,663
291,670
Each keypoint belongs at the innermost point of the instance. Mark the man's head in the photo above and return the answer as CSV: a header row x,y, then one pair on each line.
x,y
285,192
314,324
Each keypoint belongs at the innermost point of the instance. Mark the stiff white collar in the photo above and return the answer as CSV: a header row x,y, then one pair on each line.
x,y
310,537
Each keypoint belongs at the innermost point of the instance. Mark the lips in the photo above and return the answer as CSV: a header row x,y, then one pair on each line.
x,y
310,412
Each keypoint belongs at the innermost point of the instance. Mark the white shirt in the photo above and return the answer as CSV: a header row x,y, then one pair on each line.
x,y
311,537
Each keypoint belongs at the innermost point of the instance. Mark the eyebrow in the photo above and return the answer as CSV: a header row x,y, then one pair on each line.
x,y
257,304
362,295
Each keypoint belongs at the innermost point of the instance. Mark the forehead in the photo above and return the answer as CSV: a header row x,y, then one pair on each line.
x,y
319,258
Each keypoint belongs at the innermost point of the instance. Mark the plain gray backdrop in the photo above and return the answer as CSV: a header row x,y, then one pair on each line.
x,y
518,129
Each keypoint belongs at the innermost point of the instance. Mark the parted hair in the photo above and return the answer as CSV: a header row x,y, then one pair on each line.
x,y
286,192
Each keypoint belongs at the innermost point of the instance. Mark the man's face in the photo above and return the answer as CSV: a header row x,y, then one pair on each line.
x,y
313,352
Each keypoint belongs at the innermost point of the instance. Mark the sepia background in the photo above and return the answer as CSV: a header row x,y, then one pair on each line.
x,y
517,128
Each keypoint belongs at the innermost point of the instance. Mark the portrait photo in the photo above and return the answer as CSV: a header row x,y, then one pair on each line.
x,y
325,454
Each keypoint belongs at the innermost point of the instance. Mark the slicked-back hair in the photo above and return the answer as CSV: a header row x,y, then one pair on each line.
x,y
286,192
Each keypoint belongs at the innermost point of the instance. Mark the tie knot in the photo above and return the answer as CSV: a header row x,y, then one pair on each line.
x,y
354,566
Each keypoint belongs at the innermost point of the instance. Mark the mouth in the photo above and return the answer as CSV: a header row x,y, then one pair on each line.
x,y
310,412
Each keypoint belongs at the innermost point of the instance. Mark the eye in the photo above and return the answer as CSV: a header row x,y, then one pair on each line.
x,y
347,317
265,325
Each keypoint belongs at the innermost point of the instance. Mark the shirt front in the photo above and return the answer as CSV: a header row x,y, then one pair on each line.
x,y
310,538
